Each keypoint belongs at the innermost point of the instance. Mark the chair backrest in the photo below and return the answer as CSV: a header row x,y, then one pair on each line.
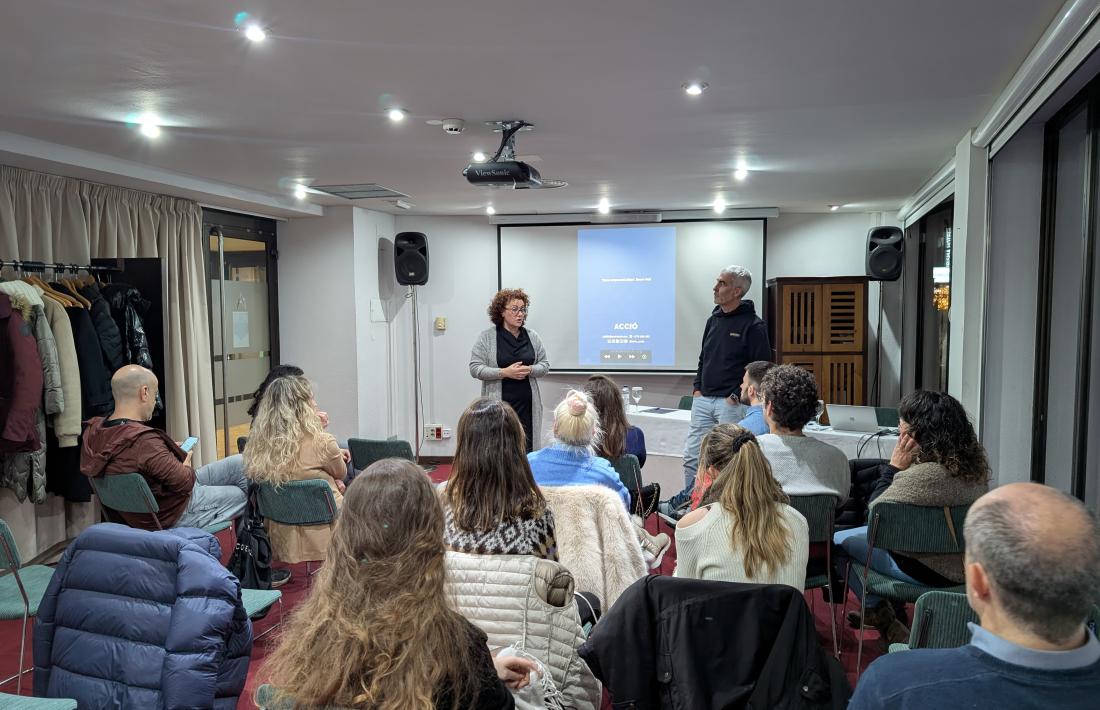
x,y
364,452
686,401
939,621
901,527
9,551
126,493
630,473
297,502
267,697
820,514
887,417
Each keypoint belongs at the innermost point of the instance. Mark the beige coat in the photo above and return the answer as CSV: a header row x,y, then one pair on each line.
x,y
66,423
301,543
597,540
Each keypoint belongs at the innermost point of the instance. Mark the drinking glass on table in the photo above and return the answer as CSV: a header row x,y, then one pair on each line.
x,y
636,395
818,411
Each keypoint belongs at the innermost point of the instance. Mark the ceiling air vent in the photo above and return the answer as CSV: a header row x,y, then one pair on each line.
x,y
366,191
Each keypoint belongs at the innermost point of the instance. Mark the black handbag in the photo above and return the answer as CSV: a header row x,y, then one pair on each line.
x,y
251,560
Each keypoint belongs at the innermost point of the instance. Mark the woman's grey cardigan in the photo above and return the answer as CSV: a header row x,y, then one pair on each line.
x,y
483,366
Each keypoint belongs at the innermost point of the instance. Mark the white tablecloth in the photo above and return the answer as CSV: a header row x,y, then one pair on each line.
x,y
665,435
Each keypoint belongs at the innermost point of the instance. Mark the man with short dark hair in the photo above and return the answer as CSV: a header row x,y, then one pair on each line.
x,y
1032,576
733,337
752,396
802,464
123,443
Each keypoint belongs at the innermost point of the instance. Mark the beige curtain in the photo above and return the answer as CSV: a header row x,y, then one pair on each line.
x,y
57,219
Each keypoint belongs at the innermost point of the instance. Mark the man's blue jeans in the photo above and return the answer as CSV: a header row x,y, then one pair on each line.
x,y
854,545
706,413
220,493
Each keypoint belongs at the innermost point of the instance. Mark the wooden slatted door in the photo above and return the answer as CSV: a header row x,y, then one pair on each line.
x,y
801,323
843,314
841,379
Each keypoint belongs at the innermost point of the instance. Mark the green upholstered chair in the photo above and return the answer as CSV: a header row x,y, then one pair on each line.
x,y
820,513
364,452
685,402
308,502
907,530
22,702
267,697
887,417
130,493
258,601
939,621
630,473
21,592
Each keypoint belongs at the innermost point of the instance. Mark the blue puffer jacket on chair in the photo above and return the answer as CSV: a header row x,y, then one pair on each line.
x,y
138,619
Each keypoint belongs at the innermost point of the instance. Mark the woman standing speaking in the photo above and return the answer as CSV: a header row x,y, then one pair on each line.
x,y
508,358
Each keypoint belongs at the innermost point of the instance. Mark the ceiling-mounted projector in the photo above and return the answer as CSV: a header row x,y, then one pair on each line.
x,y
503,169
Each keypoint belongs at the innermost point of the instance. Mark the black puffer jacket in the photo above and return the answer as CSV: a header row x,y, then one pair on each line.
x,y
128,309
110,338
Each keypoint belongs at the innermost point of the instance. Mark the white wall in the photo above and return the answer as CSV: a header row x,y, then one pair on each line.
x,y
331,270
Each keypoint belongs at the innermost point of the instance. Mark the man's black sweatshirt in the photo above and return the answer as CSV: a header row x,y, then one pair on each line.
x,y
730,342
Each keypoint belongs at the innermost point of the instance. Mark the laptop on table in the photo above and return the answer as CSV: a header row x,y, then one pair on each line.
x,y
846,417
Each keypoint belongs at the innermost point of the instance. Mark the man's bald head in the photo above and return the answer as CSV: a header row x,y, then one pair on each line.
x,y
1040,549
128,381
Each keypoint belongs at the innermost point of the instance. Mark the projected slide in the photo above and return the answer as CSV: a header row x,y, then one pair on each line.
x,y
626,296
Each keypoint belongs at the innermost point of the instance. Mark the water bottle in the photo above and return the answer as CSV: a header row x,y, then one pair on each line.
x,y
626,398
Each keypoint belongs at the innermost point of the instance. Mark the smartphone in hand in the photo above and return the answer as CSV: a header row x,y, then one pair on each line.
x,y
189,443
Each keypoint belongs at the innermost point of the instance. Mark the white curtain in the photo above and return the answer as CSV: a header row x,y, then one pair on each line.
x,y
57,219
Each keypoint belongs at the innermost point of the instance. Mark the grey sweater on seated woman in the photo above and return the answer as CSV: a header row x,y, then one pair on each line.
x,y
930,484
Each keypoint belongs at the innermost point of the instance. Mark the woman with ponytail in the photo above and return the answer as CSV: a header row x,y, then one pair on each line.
x,y
376,630
743,531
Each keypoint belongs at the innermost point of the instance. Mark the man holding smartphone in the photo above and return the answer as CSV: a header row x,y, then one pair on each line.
x,y
124,443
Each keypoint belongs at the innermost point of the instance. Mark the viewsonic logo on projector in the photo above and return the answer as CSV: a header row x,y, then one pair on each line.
x,y
503,173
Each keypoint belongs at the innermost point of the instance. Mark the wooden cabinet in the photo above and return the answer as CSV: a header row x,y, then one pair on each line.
x,y
821,324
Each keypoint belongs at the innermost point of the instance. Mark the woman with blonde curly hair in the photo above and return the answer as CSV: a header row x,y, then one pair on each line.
x,y
377,630
288,443
508,358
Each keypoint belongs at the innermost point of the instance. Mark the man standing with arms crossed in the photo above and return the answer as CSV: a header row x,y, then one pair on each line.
x,y
733,337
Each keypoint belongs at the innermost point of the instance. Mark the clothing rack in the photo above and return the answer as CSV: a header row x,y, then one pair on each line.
x,y
57,267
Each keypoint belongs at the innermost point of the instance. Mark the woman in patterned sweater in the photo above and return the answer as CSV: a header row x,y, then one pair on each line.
x,y
491,503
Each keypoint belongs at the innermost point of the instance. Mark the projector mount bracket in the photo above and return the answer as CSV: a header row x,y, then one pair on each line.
x,y
508,130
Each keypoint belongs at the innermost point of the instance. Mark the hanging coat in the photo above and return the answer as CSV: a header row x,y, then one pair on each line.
x,y
21,377
24,470
128,308
110,338
95,381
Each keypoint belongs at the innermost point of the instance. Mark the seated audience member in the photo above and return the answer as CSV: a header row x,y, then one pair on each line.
x,y
618,435
377,629
937,461
287,444
491,503
1032,576
752,397
123,443
714,454
749,533
295,371
570,461
802,464
570,458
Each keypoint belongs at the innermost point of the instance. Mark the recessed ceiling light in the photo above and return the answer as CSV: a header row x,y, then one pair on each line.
x,y
255,33
834,208
300,192
741,173
719,205
490,210
695,88
604,206
397,115
149,127
479,157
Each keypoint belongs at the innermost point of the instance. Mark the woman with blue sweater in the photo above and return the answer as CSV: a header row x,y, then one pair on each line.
x,y
570,459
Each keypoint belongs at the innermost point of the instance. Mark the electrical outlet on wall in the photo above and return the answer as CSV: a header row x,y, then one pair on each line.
x,y
435,432
446,432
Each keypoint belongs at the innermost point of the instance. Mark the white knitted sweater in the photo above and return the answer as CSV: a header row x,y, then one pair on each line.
x,y
804,465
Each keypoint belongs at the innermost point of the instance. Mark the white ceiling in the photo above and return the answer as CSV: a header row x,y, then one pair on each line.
x,y
852,102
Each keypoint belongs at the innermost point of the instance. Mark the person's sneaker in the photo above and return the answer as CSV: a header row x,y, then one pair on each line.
x,y
654,548
672,508
279,577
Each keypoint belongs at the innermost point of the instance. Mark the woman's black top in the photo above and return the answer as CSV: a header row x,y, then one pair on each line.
x,y
517,393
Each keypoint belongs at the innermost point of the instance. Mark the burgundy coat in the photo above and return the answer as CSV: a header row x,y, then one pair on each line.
x,y
21,381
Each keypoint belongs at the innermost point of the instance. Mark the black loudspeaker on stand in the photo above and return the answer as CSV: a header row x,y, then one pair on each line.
x,y
410,258
885,252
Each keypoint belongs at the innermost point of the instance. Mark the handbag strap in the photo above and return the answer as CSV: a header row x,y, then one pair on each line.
x,y
950,525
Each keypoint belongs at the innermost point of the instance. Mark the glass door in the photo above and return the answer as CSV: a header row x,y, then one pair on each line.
x,y
934,297
243,317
